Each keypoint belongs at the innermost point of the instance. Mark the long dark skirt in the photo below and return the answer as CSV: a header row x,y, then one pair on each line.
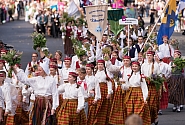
x,y
42,111
176,87
68,46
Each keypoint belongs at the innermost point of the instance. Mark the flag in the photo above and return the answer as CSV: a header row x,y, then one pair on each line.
x,y
73,9
181,5
167,22
96,17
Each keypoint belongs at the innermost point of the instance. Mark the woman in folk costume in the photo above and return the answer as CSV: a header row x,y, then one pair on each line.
x,y
176,85
72,109
68,46
10,97
104,104
137,94
58,56
117,114
166,49
1,105
149,69
79,33
53,72
93,94
46,94
165,70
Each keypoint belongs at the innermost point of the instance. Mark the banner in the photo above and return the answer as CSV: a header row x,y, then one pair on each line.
x,y
96,17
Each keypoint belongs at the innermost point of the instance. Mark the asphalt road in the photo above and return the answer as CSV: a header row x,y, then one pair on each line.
x,y
18,33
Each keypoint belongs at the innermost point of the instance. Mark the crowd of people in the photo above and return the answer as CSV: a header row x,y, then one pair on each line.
x,y
98,82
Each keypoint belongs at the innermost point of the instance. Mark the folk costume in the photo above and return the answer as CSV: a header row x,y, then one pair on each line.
x,y
104,104
176,86
68,46
167,51
165,70
73,101
136,96
46,93
118,114
93,95
150,69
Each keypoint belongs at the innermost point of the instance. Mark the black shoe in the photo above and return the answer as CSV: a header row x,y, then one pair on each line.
x,y
183,33
178,110
174,109
160,113
181,108
156,123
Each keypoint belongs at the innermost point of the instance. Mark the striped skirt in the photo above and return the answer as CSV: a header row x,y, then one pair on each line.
x,y
67,114
153,102
9,120
104,106
42,111
135,104
164,96
118,113
92,111
176,87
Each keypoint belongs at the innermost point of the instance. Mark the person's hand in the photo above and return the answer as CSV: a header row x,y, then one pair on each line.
x,y
1,119
38,49
78,111
52,112
6,113
108,96
145,102
94,102
91,92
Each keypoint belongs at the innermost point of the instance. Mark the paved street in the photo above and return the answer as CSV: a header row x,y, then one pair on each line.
x,y
18,33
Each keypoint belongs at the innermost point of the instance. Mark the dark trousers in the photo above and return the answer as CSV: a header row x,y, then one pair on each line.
x,y
18,14
43,30
10,16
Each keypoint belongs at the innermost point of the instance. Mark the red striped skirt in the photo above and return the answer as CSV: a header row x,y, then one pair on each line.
x,y
164,97
104,106
118,113
153,101
135,104
67,114
92,111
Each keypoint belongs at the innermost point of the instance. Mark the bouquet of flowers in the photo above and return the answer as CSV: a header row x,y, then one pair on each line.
x,y
38,40
179,64
79,51
125,50
174,43
157,80
13,57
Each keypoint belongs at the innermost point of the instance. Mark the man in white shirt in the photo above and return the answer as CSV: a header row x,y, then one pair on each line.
x,y
30,69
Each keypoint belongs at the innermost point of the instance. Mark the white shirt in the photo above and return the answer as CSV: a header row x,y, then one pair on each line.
x,y
41,86
1,99
101,77
92,84
165,69
58,78
135,81
115,69
164,48
146,69
84,91
70,91
65,73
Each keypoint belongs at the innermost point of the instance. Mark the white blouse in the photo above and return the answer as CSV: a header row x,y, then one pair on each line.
x,y
70,91
101,77
65,73
146,69
135,81
92,84
43,86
